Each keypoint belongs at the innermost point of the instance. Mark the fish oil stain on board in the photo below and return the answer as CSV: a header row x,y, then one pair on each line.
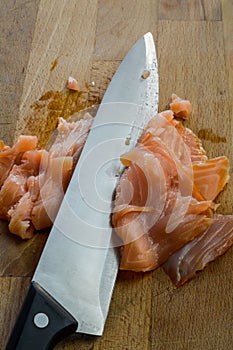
x,y
43,117
208,135
54,64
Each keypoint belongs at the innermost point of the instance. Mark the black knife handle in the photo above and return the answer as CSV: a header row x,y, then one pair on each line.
x,y
42,322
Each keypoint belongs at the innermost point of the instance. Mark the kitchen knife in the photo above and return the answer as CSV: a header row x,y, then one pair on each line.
x,y
74,280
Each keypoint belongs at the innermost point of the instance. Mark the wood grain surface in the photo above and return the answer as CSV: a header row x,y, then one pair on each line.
x,y
42,43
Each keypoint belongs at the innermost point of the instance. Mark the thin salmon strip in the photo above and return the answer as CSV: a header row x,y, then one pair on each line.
x,y
180,107
184,264
162,127
152,249
194,147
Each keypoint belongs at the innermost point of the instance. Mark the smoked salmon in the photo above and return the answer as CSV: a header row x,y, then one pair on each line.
x,y
11,155
20,217
163,210
72,84
15,185
183,265
51,192
34,181
181,108
71,137
164,198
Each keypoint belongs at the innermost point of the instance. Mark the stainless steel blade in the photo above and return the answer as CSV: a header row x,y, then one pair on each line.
x,y
79,264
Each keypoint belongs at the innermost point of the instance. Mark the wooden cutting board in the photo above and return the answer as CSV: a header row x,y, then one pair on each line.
x,y
42,42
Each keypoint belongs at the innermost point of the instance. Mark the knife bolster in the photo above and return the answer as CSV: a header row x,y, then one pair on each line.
x,y
42,322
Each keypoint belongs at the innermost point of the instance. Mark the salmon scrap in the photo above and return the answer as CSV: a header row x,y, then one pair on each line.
x,y
34,181
72,84
165,196
12,155
181,108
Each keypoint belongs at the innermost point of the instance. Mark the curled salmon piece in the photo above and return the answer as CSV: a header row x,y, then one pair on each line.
x,y
180,107
72,84
20,218
12,155
183,265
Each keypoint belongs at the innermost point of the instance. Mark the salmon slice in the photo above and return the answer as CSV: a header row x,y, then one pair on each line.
x,y
71,137
180,107
143,203
130,219
52,188
211,176
12,155
183,265
149,250
138,255
194,144
20,218
162,127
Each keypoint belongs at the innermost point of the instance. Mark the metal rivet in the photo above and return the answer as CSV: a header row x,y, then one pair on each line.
x,y
41,320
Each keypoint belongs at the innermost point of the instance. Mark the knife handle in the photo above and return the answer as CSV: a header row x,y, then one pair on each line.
x,y
42,322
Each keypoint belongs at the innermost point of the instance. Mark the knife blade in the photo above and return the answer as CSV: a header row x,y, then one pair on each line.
x,y
74,280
